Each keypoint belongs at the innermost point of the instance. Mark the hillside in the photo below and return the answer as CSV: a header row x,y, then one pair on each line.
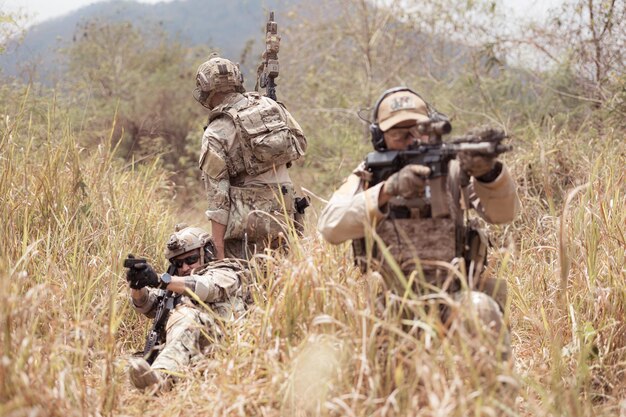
x,y
212,23
105,163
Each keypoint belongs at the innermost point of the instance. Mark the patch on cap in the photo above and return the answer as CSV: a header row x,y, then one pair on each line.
x,y
400,107
402,103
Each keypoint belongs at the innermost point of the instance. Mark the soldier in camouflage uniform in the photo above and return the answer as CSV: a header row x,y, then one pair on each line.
x,y
426,236
247,146
216,283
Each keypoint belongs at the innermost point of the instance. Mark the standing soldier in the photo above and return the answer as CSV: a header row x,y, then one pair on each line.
x,y
247,146
422,218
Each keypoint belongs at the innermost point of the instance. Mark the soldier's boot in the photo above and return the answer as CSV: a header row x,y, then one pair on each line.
x,y
144,377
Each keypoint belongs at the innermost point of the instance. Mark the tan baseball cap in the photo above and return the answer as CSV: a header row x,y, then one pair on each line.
x,y
400,107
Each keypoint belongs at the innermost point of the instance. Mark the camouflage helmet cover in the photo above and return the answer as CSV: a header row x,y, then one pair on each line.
x,y
186,239
217,75
481,316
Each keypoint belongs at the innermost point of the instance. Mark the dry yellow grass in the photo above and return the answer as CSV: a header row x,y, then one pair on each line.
x,y
312,344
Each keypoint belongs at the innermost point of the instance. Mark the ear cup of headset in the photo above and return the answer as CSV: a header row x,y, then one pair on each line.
x,y
378,141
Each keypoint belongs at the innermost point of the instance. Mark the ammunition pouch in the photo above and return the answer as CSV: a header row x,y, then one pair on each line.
x,y
410,241
475,255
475,251
413,244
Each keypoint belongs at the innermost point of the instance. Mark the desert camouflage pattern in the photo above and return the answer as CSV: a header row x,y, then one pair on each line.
x,y
191,329
221,154
185,338
245,149
222,284
261,213
268,135
217,75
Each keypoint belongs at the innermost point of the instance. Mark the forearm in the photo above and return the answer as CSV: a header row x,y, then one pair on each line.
x,y
216,180
496,201
177,285
143,301
218,231
346,215
218,198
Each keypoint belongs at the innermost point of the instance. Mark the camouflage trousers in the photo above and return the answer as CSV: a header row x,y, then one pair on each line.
x,y
186,331
260,216
236,248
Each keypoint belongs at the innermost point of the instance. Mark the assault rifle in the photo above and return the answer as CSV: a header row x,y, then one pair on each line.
x,y
435,156
166,301
268,70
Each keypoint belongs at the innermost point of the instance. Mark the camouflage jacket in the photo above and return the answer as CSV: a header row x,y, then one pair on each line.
x,y
219,284
354,206
239,149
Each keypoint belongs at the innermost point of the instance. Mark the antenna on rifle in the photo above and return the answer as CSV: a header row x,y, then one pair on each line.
x,y
268,69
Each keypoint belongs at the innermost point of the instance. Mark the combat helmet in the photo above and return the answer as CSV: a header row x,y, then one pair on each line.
x,y
217,75
186,239
481,318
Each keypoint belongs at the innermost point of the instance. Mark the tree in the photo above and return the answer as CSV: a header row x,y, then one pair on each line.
x,y
11,29
145,80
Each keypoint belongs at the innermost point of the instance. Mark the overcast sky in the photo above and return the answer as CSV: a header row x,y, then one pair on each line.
x,y
39,10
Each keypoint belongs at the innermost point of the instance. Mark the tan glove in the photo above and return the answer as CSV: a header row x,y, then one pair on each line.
x,y
476,165
485,133
409,182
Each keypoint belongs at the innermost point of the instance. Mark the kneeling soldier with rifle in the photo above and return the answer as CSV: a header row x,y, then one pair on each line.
x,y
178,301
414,194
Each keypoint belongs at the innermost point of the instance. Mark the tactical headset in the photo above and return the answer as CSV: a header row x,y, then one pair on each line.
x,y
378,140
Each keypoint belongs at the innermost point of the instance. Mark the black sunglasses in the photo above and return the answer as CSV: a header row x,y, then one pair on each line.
x,y
190,260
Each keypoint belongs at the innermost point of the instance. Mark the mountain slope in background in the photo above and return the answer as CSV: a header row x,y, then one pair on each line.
x,y
224,26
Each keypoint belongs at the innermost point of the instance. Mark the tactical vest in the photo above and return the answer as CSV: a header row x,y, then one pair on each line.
x,y
265,139
427,233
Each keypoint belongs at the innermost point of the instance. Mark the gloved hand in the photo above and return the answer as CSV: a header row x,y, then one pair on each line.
x,y
486,133
142,275
409,182
475,164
